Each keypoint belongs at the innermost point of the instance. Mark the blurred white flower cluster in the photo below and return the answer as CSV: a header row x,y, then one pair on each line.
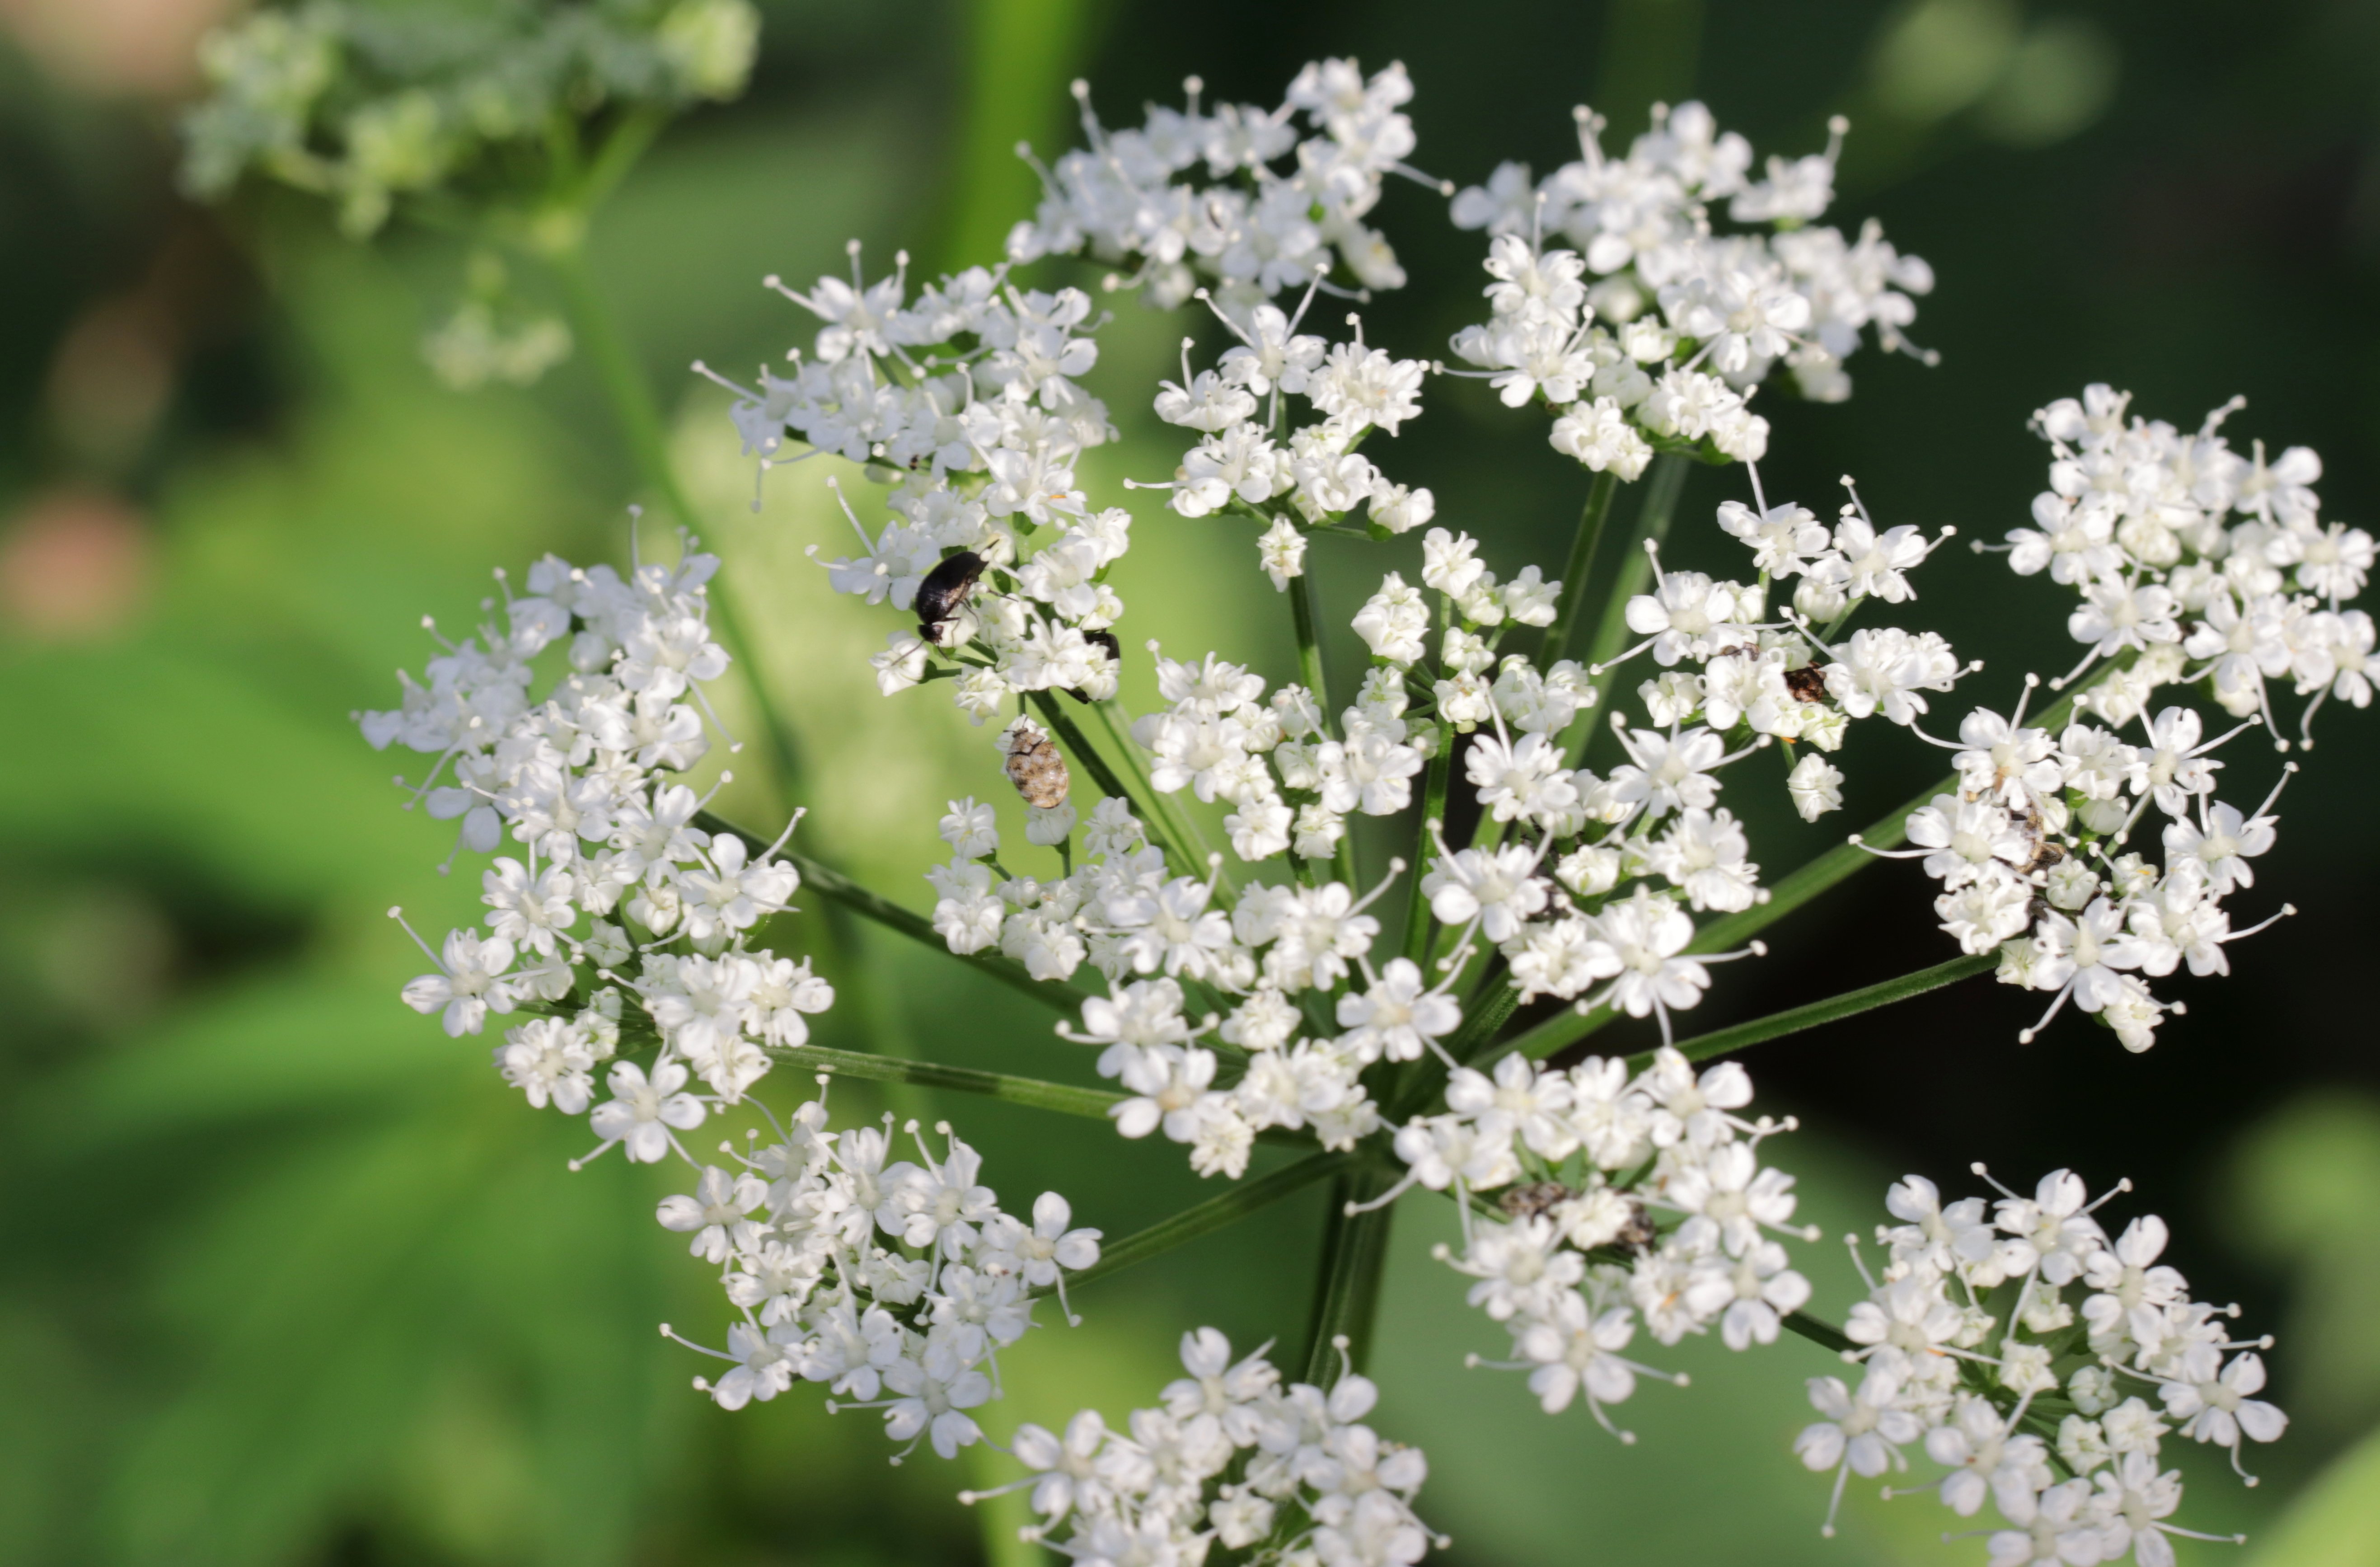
x,y
2018,1344
1231,1457
365,104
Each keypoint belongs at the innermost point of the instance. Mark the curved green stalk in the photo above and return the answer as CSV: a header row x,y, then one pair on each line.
x,y
1161,806
1812,1014
1591,522
1418,923
1063,995
1636,568
1825,1334
1158,826
1031,1092
1304,616
1347,1291
1568,1027
631,401
1225,1207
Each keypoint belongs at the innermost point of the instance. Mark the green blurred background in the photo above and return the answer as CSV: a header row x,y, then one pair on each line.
x,y
286,1276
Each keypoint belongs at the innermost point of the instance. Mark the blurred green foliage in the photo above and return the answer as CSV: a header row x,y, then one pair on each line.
x,y
291,1279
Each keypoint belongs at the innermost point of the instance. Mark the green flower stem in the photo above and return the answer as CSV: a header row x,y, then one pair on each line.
x,y
1354,1253
1157,825
1159,807
1224,1209
830,882
1825,1334
1636,568
1820,875
1305,614
1568,1027
1418,923
1582,562
631,400
1031,1092
1794,1020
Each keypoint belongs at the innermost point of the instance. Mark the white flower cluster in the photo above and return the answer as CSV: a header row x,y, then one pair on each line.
x,y
985,429
1253,229
1229,1457
2197,562
581,776
2023,852
2015,1341
1247,457
1626,1199
2196,568
1653,332
1731,670
904,1323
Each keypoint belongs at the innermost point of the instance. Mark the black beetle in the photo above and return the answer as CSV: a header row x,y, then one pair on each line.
x,y
944,592
1115,653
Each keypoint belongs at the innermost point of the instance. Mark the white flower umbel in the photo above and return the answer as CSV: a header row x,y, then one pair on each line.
x,y
2204,576
2005,1333
1252,963
1232,1456
628,927
1651,328
1625,1202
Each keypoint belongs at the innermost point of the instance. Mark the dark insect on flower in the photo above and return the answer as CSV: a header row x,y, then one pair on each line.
x,y
1036,768
945,591
1638,1233
1807,683
1115,655
1535,1197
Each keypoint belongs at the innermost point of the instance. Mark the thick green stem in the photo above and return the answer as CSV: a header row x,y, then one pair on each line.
x,y
1564,634
1034,1093
1225,1207
1306,615
1347,1292
830,882
1825,1334
1418,924
1634,569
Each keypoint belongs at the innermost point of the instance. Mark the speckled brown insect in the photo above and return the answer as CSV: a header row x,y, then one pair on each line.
x,y
1807,683
1535,1197
1037,768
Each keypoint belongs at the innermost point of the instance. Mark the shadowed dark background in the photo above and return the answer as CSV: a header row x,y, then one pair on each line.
x,y
290,1278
